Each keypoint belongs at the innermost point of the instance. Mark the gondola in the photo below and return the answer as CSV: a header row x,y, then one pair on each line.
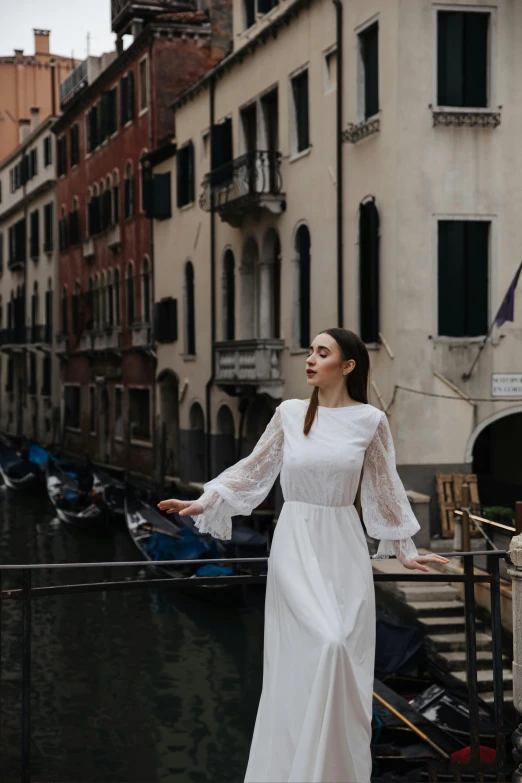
x,y
76,497
113,491
159,538
22,473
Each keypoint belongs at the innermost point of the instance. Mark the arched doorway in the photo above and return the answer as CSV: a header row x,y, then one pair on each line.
x,y
270,286
224,440
497,460
249,290
169,423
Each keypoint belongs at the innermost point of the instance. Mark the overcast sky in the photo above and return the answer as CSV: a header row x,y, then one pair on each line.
x,y
68,20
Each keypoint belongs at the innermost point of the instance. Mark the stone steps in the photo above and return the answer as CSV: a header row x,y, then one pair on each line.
x,y
437,608
485,679
456,660
456,641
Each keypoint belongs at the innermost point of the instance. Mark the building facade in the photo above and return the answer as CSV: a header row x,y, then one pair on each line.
x,y
26,81
29,382
383,198
108,127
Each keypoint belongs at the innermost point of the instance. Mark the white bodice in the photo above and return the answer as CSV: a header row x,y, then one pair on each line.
x,y
322,468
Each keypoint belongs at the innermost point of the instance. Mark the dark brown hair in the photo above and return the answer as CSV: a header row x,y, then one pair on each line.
x,y
351,347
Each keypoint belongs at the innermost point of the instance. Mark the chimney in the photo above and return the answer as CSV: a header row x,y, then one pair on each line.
x,y
23,130
35,115
41,41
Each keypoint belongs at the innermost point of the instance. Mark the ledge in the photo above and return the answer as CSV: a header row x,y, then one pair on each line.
x,y
469,118
357,131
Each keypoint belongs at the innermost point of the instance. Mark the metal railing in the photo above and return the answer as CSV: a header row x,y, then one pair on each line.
x,y
445,765
241,180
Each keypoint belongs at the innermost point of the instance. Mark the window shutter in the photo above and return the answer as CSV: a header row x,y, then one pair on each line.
x,y
370,43
369,272
161,201
190,172
476,59
123,100
130,97
451,278
300,93
450,56
476,270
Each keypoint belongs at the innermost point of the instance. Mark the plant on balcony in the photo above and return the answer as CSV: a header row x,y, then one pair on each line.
x,y
501,514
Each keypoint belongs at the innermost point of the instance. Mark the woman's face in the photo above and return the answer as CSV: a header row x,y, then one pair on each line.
x,y
324,364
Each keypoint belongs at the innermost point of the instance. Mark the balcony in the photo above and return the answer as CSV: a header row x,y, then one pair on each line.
x,y
252,363
114,237
141,336
13,339
107,339
61,343
16,263
88,249
39,334
245,186
124,12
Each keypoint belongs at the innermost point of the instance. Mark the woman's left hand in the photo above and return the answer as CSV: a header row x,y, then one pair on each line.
x,y
417,562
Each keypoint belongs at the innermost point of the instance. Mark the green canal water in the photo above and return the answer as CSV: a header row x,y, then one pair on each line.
x,y
139,686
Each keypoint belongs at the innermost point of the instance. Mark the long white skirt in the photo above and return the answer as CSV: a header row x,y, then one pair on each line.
x,y
313,723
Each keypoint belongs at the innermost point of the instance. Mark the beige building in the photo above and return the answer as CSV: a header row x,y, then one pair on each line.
x,y
26,81
29,372
428,241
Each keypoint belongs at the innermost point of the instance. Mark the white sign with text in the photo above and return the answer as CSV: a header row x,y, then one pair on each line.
x,y
506,384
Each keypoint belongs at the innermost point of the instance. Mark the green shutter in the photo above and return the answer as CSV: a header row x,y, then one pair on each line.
x,y
476,59
451,278
450,58
161,196
370,55
476,304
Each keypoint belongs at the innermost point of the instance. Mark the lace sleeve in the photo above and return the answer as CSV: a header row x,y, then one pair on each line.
x,y
242,487
386,509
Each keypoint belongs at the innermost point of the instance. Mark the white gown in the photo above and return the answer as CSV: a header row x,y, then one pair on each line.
x,y
313,723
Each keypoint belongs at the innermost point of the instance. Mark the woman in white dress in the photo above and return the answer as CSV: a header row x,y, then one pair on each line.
x,y
313,723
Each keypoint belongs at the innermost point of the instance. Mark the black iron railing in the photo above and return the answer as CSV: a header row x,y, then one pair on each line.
x,y
241,180
14,336
27,593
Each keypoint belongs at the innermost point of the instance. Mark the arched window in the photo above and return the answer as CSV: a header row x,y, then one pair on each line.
x,y
110,299
145,182
62,229
190,315
115,197
75,315
130,294
117,298
302,288
146,292
250,290
128,192
107,204
65,311
89,315
369,271
229,296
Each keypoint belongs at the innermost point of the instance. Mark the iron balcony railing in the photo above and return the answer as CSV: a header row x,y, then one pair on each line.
x,y
443,765
245,179
39,333
13,336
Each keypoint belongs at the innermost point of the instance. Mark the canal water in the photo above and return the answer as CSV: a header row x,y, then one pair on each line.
x,y
140,686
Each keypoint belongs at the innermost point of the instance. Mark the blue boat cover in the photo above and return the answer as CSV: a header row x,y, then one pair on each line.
x,y
187,547
214,569
38,455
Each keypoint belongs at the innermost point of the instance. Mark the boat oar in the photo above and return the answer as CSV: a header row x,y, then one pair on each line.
x,y
410,725
159,530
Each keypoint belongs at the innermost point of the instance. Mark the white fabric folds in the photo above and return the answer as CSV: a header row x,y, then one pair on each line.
x,y
314,718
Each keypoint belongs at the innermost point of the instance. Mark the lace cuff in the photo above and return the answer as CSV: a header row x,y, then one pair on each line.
x,y
216,518
403,548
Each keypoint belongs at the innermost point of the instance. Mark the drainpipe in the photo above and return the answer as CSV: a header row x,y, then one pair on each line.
x,y
339,149
157,438
210,381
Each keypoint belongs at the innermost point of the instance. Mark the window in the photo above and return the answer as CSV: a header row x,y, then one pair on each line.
x,y
252,9
115,198
32,163
32,373
301,131
93,212
130,295
92,410
96,302
330,71
463,277
159,201
103,300
117,308
48,312
74,223
462,58
110,299
65,311
128,192
72,407
369,272
46,376
48,227
75,144
190,315
1,253
35,306
75,310
118,412
303,299
91,128
48,151
221,153
185,175
369,64
106,205
146,291
144,85
127,98
229,296
62,155
139,414
35,234
63,234
146,182
166,320
18,242
112,111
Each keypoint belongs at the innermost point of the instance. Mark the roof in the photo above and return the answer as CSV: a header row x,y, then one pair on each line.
x,y
183,17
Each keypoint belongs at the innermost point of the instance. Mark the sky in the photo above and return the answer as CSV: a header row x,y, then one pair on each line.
x,y
68,20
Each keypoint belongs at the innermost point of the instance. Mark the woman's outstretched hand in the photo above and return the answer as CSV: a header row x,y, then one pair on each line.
x,y
417,562
183,507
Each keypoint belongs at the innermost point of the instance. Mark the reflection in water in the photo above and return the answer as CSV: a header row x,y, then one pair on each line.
x,y
140,685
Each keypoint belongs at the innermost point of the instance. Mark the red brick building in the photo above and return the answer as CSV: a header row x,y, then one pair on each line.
x,y
104,205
